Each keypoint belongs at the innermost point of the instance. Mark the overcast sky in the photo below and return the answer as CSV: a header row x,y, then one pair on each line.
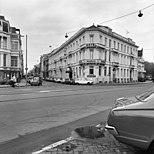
x,y
47,21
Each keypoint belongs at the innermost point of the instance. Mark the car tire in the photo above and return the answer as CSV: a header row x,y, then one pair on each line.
x,y
151,148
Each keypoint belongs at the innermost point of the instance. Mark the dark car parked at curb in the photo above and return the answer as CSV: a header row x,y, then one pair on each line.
x,y
131,121
36,81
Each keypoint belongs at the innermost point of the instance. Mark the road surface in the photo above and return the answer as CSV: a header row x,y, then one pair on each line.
x,y
24,111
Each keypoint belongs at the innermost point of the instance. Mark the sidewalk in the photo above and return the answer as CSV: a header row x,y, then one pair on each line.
x,y
45,83
101,143
20,84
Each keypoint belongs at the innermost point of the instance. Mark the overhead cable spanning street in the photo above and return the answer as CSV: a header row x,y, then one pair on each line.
x,y
34,117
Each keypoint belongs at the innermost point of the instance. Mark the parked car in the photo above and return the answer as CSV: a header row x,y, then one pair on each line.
x,y
36,81
29,79
68,81
83,81
58,80
131,121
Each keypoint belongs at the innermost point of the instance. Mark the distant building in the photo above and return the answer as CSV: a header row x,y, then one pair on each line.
x,y
97,53
141,66
44,66
11,54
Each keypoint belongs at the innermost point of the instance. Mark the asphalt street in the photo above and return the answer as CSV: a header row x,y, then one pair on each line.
x,y
29,115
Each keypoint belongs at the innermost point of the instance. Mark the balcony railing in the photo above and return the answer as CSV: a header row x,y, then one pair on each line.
x,y
92,45
132,55
116,64
115,50
132,66
92,61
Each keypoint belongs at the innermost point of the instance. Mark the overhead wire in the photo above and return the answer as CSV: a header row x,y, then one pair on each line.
x,y
117,17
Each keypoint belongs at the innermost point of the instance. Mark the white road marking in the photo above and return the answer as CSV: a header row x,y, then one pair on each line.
x,y
2,95
53,145
46,91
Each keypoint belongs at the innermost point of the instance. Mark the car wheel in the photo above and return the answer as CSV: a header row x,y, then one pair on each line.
x,y
151,148
88,83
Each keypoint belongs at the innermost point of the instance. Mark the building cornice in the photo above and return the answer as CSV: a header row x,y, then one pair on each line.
x,y
98,28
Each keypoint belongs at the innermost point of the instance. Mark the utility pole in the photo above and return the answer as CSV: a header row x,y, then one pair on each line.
x,y
26,60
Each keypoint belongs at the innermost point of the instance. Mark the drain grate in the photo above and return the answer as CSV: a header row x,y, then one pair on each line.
x,y
67,147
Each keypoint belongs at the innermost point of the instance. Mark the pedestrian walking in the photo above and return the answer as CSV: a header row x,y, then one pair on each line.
x,y
13,81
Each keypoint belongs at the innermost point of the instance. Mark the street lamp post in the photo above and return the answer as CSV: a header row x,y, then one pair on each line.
x,y
26,60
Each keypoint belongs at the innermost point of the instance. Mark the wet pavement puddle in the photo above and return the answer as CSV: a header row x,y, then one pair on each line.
x,y
89,132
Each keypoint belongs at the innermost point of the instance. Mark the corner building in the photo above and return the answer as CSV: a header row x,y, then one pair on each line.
x,y
97,53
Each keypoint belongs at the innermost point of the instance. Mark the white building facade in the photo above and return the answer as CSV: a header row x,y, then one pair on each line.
x,y
96,53
11,55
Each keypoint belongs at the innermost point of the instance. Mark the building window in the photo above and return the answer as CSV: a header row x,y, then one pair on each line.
x,y
114,44
124,48
131,50
14,61
76,43
4,60
104,71
14,45
4,42
109,71
109,56
91,53
100,37
118,45
79,71
121,73
105,55
109,43
91,70
76,57
100,70
83,54
121,47
5,27
79,41
127,49
80,55
83,39
100,54
105,41
91,38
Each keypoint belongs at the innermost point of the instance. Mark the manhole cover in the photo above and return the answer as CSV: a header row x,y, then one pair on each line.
x,y
91,132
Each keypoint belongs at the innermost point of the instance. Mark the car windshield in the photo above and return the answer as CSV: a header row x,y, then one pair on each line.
x,y
145,96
